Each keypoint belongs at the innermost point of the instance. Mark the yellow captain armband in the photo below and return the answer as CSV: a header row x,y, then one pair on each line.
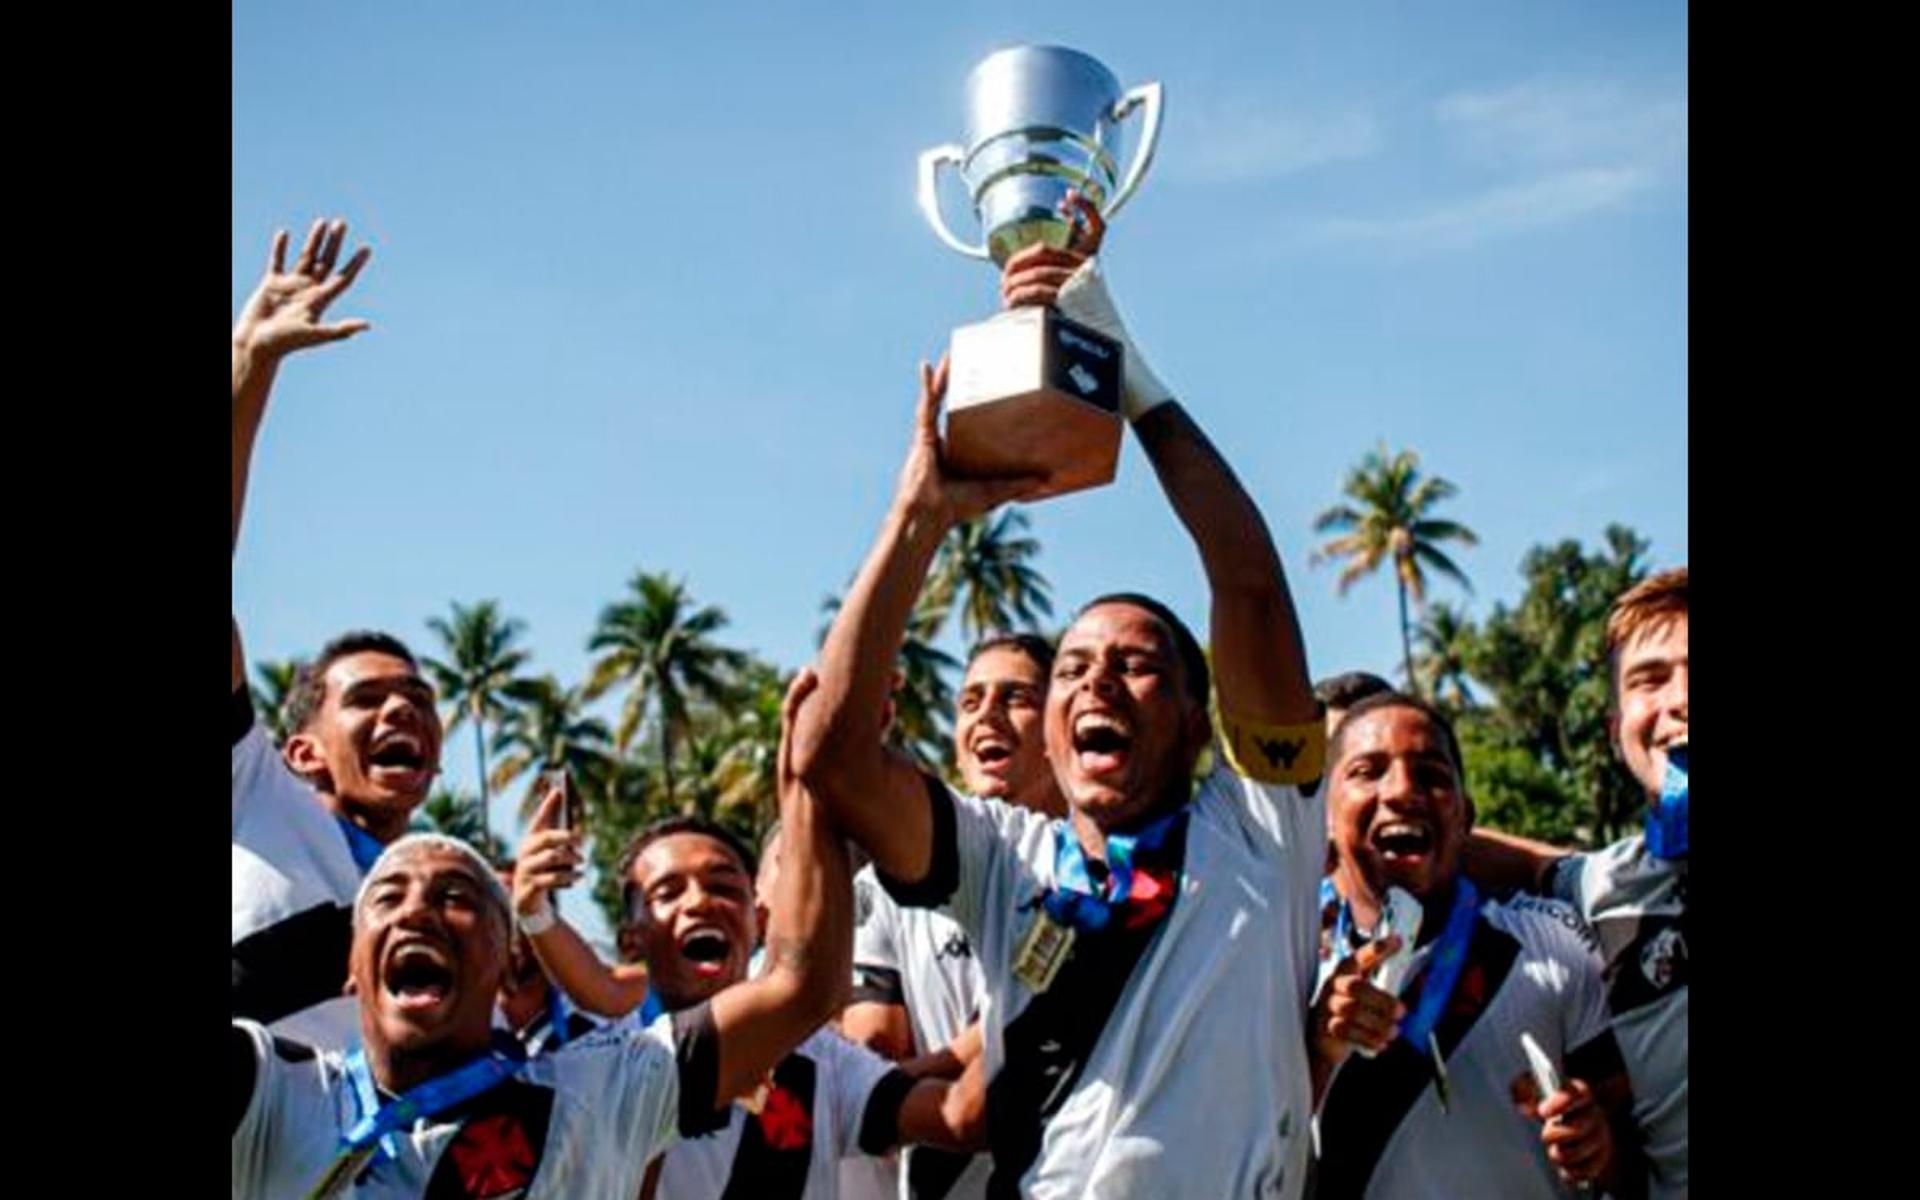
x,y
1295,754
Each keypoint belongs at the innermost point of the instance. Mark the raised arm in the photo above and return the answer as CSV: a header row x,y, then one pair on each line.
x,y
282,316
1259,660
1504,862
549,858
877,796
809,960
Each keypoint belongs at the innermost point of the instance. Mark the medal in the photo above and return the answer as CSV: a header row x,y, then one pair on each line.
x,y
1043,949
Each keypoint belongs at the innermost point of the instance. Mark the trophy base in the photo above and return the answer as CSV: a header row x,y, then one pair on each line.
x,y
1030,392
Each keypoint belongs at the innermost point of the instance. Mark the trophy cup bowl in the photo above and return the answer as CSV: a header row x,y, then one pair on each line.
x,y
1030,391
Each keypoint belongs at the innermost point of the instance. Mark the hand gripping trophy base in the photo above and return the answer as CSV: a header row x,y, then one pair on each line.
x,y
1032,392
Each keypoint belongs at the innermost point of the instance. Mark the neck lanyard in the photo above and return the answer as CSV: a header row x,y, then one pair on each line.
x,y
375,1130
363,846
1443,964
1667,816
554,1035
1076,900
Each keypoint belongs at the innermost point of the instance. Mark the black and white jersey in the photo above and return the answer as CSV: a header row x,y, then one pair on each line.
x,y
1531,966
829,1100
294,880
1637,904
580,1122
922,959
1197,1083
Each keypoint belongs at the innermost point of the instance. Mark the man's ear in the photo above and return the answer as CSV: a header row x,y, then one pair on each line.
x,y
303,758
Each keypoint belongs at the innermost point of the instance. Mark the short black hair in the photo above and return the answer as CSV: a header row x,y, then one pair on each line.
x,y
1192,657
668,827
1346,690
1393,699
310,683
1035,647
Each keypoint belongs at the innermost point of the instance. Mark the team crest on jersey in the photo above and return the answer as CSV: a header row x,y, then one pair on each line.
x,y
494,1157
1662,957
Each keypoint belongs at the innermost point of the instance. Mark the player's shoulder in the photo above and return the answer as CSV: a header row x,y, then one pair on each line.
x,y
1543,924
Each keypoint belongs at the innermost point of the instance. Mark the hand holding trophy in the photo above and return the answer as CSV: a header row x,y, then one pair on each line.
x,y
1032,391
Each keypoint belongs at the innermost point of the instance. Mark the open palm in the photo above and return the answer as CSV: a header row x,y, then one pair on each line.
x,y
284,313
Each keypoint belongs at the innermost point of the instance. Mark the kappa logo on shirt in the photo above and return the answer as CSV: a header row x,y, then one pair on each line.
x,y
956,946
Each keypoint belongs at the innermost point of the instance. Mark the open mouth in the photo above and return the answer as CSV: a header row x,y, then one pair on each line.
x,y
401,755
993,756
707,950
418,976
1403,840
1101,743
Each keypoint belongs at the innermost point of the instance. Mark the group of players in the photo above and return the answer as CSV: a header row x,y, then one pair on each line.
x,y
1194,928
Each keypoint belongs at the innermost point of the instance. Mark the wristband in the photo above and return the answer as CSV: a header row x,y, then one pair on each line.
x,y
540,920
1084,298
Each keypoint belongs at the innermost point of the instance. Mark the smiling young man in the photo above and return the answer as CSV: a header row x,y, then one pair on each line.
x,y
1433,1114
310,817
1634,892
1149,958
918,988
428,1106
691,900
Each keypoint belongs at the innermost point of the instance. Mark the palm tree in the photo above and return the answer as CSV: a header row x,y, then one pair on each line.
x,y
271,691
1393,520
481,667
448,812
744,776
547,730
983,574
659,643
1445,639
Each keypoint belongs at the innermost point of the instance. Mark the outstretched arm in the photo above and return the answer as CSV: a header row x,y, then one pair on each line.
x,y
1259,659
809,938
549,858
1507,862
282,316
877,796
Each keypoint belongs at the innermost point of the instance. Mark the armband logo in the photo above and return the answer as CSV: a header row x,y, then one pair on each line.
x,y
1279,753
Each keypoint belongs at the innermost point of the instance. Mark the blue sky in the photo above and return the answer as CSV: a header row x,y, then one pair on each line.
x,y
649,287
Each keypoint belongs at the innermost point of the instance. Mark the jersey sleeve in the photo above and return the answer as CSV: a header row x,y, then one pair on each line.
x,y
983,854
253,755
858,1076
1566,881
876,943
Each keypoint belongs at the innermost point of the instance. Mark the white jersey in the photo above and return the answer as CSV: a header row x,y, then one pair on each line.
x,y
811,1120
1637,904
1532,966
294,880
1197,1085
579,1123
921,958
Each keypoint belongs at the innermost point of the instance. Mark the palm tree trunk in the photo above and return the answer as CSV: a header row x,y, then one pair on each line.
x,y
666,757
480,748
1406,636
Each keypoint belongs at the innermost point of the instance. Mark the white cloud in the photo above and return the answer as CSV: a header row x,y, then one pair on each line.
x,y
1550,200
1562,123
1242,143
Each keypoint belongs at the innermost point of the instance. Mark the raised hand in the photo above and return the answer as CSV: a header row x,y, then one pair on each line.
x,y
284,313
1036,274
549,857
926,485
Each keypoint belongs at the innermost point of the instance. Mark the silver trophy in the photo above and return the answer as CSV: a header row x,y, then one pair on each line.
x,y
1032,392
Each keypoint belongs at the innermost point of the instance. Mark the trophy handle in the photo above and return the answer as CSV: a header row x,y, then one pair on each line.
x,y
930,161
1148,94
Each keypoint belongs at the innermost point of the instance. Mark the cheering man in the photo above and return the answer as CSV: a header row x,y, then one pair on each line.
x,y
311,817
1433,1113
428,1106
1149,958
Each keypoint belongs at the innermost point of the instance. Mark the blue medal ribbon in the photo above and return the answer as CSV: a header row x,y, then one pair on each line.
x,y
1075,899
381,1122
555,1034
1443,966
363,846
1667,816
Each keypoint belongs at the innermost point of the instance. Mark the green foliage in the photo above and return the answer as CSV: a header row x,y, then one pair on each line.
x,y
272,688
447,811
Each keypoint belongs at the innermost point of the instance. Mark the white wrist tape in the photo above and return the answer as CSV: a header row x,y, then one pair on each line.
x,y
540,920
1084,299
